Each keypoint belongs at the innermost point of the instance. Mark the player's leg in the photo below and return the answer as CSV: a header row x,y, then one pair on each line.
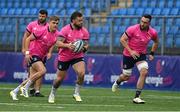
x,y
60,75
32,89
37,86
123,77
79,68
38,83
40,71
15,91
143,69
56,83
128,64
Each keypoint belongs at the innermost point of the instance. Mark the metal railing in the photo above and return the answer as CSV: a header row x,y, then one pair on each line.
x,y
13,27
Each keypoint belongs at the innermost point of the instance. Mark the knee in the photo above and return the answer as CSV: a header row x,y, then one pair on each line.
x,y
43,71
144,72
126,74
125,77
59,77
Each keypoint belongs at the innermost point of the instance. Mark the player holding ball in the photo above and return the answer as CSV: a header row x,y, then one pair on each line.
x,y
71,52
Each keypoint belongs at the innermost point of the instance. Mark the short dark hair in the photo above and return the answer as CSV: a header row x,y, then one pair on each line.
x,y
147,16
75,14
43,11
54,18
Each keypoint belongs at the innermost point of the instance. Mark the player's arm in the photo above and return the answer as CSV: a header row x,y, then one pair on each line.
x,y
27,41
49,54
26,35
86,46
124,42
154,48
60,44
26,46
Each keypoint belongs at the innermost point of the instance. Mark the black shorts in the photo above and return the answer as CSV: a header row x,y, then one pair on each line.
x,y
35,59
129,62
65,65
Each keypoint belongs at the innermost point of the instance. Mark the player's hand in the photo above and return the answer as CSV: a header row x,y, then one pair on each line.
x,y
49,55
71,46
28,58
134,54
151,57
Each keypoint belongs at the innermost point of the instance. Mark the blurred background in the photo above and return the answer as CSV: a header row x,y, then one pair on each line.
x,y
106,21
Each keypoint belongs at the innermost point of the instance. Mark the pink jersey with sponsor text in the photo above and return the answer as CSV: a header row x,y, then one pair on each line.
x,y
139,39
70,36
43,42
35,26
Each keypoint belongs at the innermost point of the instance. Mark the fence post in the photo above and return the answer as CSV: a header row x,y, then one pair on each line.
x,y
16,36
111,38
163,35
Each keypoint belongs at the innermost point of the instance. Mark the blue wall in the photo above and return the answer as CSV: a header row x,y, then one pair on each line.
x,y
101,71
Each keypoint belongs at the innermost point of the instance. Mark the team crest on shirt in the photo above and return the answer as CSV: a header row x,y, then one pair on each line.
x,y
35,59
45,37
34,28
69,35
60,67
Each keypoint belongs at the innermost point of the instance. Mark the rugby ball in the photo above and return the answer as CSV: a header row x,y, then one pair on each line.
x,y
78,45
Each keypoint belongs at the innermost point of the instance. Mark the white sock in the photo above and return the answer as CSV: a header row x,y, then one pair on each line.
x,y
28,84
115,83
53,90
77,89
16,90
37,91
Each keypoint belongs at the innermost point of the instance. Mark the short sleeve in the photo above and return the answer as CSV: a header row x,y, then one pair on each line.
x,y
129,31
63,32
86,34
38,33
29,28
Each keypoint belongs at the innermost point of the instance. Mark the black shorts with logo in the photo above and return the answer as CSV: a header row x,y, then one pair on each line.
x,y
129,62
65,65
35,59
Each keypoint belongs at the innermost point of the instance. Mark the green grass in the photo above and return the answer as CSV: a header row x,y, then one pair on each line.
x,y
94,99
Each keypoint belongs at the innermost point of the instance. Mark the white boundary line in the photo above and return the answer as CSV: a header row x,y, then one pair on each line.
x,y
118,97
163,97
59,105
5,88
31,105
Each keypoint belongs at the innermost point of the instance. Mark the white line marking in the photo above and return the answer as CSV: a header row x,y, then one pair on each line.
x,y
5,88
118,97
163,97
31,105
60,105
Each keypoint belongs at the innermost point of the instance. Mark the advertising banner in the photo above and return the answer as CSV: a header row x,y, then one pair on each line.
x,y
101,71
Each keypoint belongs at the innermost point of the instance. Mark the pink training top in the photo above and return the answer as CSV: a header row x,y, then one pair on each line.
x,y
43,42
139,39
34,26
70,36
